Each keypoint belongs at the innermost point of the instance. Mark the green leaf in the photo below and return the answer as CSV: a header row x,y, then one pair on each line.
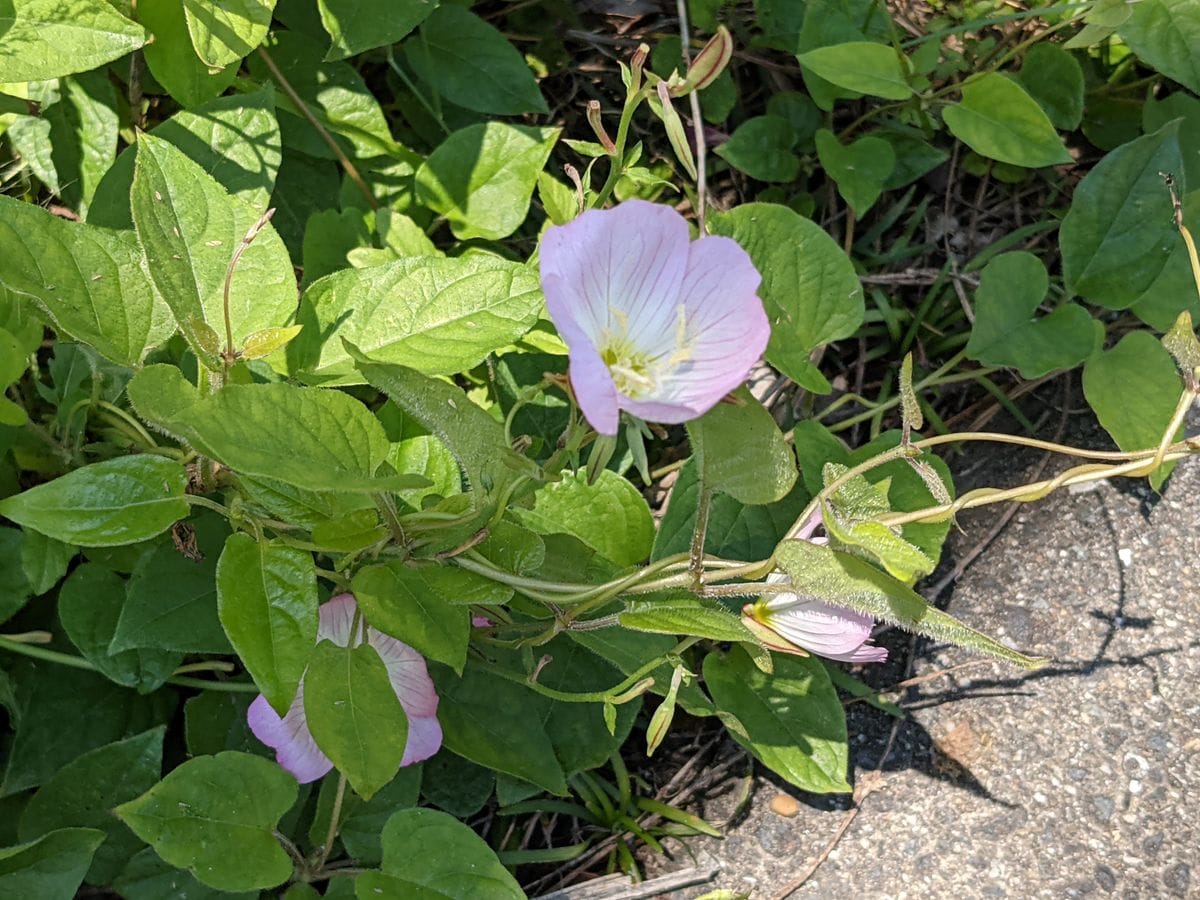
x,y
819,573
457,785
437,315
91,282
51,867
267,603
1165,34
1119,232
424,454
1054,78
98,712
762,147
481,178
234,139
914,158
793,719
118,501
334,93
354,714
475,438
740,451
79,131
214,721
610,516
83,792
427,850
684,614
364,820
149,877
900,558
44,560
355,25
735,530
44,39
472,65
172,60
1179,105
403,602
223,31
190,229
1133,389
314,439
215,816
997,118
628,651
1006,332
172,600
89,606
810,289
487,720
860,170
860,66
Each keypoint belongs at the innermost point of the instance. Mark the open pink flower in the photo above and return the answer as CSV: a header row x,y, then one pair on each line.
x,y
289,736
655,324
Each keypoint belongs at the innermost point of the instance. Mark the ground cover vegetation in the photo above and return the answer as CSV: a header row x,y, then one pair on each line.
x,y
418,414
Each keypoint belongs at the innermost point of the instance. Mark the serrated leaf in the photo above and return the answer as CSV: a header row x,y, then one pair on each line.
x,y
267,603
44,39
820,573
83,792
1119,232
471,64
215,816
190,229
810,290
91,282
1007,333
436,315
996,118
481,178
354,714
105,504
740,451
793,719
400,601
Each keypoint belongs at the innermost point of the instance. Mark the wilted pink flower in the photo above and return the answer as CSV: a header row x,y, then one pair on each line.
x,y
656,324
289,736
830,631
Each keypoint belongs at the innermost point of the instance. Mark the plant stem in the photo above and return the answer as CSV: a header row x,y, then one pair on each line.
x,y
334,824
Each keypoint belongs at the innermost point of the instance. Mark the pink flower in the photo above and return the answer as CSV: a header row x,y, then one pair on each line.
x,y
289,736
655,324
834,632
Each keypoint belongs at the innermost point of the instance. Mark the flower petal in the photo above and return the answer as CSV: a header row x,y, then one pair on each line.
x,y
295,749
829,631
415,691
336,619
630,258
590,379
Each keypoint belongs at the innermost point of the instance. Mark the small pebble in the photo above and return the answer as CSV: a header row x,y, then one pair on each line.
x,y
784,805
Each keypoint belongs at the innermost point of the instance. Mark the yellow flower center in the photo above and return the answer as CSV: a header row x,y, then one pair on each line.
x,y
634,370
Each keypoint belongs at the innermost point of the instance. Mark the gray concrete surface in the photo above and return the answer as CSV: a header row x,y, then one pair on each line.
x,y
1080,780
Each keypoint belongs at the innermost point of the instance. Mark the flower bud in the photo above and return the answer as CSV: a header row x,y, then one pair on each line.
x,y
710,61
593,117
636,63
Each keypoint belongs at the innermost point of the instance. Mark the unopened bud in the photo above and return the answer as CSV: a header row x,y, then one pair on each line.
x,y
711,61
593,117
674,127
636,63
